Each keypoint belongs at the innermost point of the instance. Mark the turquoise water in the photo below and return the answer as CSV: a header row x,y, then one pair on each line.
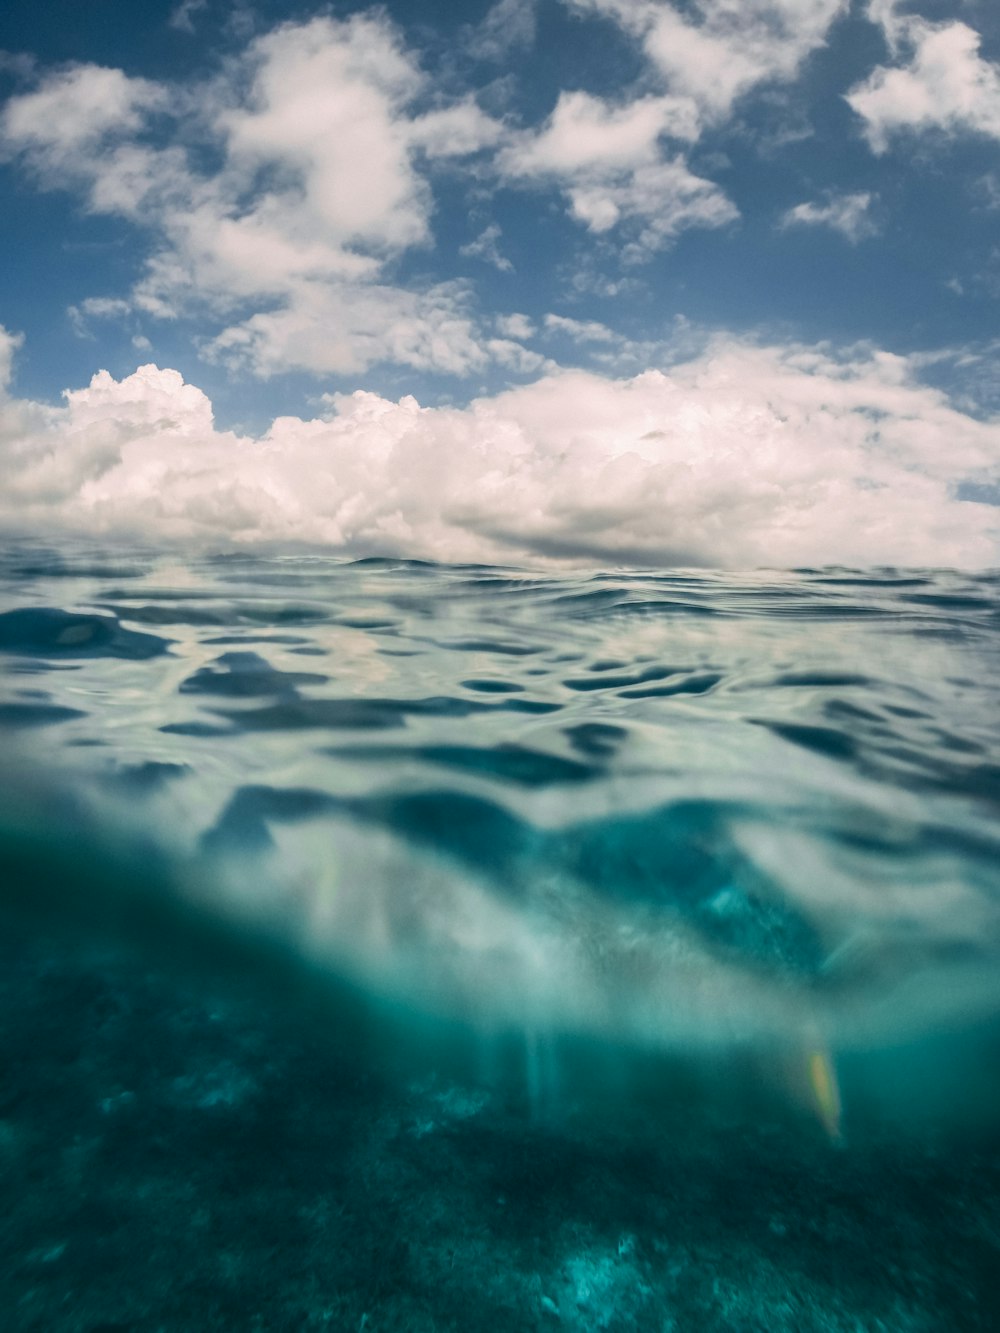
x,y
662,907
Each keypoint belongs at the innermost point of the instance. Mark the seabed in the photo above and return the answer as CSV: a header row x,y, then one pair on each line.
x,y
178,1157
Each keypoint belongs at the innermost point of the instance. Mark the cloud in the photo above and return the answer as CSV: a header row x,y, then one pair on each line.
x,y
455,131
95,307
621,165
507,25
715,51
347,327
182,16
850,214
74,115
19,64
486,247
609,161
325,107
588,133
986,191
9,343
581,330
663,199
944,84
614,353
743,456
515,326
317,133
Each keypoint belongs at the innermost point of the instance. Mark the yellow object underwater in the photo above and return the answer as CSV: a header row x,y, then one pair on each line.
x,y
825,1090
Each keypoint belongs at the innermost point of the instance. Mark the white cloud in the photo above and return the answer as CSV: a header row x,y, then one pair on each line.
x,y
986,191
318,189
613,161
743,455
614,353
581,330
850,214
513,354
714,51
486,246
455,131
508,24
321,137
104,307
347,327
95,307
612,166
663,199
944,84
515,326
182,16
587,133
9,343
76,109
326,109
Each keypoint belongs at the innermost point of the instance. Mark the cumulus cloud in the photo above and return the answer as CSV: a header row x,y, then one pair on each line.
x,y
455,131
850,214
941,83
279,194
515,326
317,133
743,455
662,199
586,132
74,113
325,103
622,164
610,161
714,51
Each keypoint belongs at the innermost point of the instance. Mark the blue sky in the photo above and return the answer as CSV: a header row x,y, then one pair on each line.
x,y
459,202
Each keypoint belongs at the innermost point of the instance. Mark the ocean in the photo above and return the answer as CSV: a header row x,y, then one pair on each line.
x,y
389,945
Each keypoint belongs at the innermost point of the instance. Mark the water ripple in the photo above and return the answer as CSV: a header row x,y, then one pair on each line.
x,y
665,805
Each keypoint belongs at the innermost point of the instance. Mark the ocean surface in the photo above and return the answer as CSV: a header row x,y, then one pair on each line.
x,y
390,945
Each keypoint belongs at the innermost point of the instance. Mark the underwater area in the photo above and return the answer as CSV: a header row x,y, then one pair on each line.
x,y
396,946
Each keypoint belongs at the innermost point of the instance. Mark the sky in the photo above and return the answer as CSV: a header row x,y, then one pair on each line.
x,y
626,282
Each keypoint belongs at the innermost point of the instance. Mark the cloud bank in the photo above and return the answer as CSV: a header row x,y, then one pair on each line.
x,y
742,456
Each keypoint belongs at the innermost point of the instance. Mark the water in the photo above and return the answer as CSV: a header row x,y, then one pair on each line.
x,y
631,939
